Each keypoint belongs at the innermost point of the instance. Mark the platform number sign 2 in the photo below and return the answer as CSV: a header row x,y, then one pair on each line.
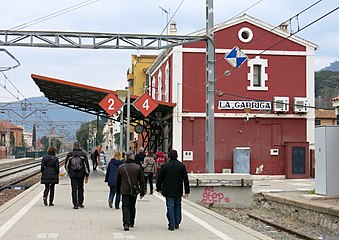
x,y
145,104
111,104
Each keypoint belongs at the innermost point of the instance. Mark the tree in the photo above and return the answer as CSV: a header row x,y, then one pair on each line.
x,y
34,136
326,87
124,139
83,133
45,142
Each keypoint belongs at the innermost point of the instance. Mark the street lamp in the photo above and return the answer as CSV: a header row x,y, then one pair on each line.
x,y
122,95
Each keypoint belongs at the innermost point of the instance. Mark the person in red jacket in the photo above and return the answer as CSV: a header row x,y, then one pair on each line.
x,y
160,160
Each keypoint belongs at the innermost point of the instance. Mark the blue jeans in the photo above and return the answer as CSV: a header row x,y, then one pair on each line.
x,y
111,196
173,215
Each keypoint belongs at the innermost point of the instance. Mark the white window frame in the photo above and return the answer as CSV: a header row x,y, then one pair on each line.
x,y
263,76
166,87
249,34
153,88
160,85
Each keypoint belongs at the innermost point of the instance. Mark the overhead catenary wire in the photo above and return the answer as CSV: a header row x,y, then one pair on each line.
x,y
3,69
53,15
291,34
25,102
272,29
172,17
253,5
288,20
24,25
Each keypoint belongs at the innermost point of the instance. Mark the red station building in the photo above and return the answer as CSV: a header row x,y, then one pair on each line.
x,y
263,122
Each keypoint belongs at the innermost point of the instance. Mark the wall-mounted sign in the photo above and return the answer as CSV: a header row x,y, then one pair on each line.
x,y
187,156
253,105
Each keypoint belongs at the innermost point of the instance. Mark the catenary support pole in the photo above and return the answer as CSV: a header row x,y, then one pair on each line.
x,y
210,87
121,128
128,119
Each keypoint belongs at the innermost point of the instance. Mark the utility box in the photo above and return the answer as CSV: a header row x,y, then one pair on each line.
x,y
327,160
241,160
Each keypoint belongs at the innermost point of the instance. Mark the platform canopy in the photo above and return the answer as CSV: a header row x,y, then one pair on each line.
x,y
86,98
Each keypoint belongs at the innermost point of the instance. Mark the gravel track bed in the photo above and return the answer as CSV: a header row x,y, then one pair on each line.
x,y
263,209
8,194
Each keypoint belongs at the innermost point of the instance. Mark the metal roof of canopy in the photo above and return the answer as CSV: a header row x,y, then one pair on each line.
x,y
86,98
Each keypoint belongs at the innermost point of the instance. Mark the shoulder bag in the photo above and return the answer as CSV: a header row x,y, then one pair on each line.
x,y
135,190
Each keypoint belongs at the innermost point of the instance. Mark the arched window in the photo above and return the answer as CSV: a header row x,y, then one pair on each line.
x,y
160,86
153,88
166,87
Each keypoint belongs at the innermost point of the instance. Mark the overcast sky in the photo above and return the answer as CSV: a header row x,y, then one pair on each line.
x,y
107,68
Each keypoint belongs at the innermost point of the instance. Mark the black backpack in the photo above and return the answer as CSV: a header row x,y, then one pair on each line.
x,y
75,162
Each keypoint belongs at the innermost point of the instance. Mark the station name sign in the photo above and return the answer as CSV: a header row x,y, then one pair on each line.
x,y
254,105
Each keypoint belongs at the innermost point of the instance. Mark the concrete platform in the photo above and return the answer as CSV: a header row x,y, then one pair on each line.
x,y
11,162
25,217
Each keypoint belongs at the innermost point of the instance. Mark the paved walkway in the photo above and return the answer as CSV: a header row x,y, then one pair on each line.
x,y
25,217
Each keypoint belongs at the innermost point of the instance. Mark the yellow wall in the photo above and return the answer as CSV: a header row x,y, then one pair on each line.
x,y
138,72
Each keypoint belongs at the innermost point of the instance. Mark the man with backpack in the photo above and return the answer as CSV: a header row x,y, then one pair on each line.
x,y
77,166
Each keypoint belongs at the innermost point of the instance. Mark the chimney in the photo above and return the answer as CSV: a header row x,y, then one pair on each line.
x,y
173,28
284,26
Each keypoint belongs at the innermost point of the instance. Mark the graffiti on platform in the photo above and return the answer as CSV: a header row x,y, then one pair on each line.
x,y
211,196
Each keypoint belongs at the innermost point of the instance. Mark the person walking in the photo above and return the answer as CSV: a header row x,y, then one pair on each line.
x,y
77,166
49,174
139,158
95,157
129,178
110,178
149,170
170,180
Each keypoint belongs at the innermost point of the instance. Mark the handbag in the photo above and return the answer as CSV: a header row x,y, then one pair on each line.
x,y
135,190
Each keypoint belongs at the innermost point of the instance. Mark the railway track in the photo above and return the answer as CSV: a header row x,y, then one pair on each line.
x,y
9,177
282,228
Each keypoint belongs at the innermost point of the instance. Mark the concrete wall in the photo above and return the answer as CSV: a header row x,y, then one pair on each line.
x,y
221,190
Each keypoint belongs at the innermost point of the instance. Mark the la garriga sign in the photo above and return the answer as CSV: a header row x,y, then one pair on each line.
x,y
242,104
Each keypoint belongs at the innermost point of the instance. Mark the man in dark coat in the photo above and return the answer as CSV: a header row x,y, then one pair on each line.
x,y
170,180
77,174
129,174
49,174
139,158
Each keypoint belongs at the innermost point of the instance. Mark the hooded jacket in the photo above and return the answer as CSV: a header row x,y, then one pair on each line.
x,y
112,170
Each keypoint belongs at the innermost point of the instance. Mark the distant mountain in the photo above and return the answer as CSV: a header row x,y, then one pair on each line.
x,y
46,115
333,67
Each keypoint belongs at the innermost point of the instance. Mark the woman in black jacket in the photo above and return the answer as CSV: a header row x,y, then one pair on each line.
x,y
50,174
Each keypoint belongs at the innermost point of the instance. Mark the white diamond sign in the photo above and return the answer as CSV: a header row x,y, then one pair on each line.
x,y
235,57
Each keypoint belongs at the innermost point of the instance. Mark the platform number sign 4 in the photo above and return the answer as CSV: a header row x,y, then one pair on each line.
x,y
145,104
111,104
